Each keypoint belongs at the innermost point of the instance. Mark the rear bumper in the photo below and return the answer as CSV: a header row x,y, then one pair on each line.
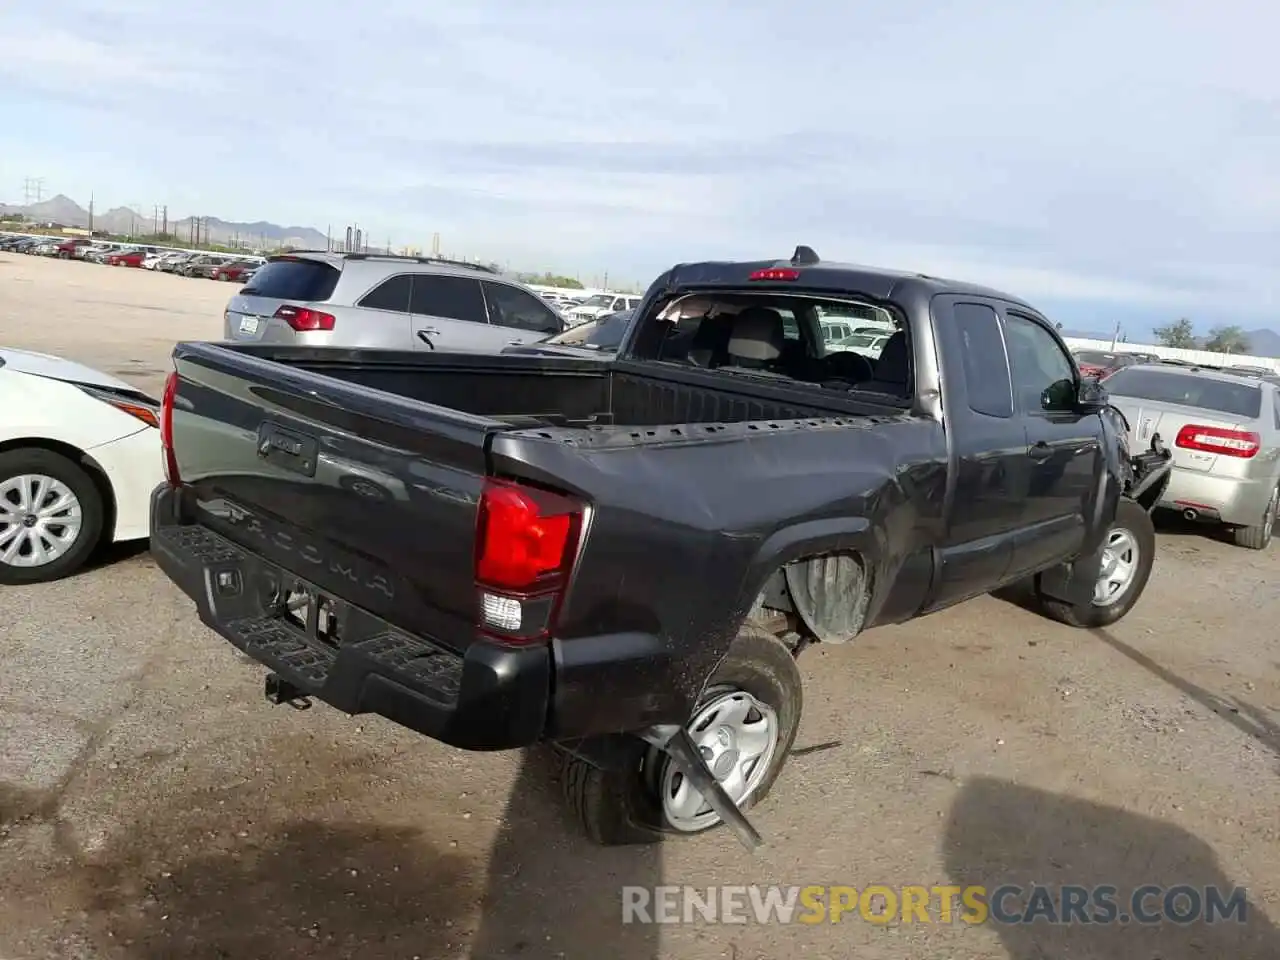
x,y
492,697
1226,499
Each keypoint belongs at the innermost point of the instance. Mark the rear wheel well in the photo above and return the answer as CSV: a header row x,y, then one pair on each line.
x,y
91,466
821,597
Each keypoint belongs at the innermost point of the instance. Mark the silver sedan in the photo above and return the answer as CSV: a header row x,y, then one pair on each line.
x,y
1224,431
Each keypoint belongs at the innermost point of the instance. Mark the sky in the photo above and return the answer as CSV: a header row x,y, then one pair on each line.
x,y
1110,162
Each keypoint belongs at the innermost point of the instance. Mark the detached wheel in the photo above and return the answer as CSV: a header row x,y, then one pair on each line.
x,y
1128,553
1258,538
744,724
51,516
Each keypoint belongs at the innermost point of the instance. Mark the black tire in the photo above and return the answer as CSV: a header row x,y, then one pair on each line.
x,y
1259,537
17,463
1130,516
623,806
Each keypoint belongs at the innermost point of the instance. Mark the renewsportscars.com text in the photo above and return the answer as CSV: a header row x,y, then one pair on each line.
x,y
1005,904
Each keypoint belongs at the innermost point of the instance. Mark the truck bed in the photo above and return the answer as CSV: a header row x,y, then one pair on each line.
x,y
562,391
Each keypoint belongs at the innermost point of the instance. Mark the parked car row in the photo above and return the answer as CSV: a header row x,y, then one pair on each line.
x,y
186,263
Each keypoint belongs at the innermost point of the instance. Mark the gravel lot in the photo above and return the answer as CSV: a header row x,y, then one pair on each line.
x,y
152,804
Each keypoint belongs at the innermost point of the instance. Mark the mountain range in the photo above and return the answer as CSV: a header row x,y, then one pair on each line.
x,y
123,221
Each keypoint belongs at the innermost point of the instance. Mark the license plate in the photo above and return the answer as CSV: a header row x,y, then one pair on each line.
x,y
249,325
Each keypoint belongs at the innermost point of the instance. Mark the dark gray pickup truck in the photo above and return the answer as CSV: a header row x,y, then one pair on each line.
x,y
623,555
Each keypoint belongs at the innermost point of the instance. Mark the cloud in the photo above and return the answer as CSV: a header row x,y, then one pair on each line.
x,y
1122,153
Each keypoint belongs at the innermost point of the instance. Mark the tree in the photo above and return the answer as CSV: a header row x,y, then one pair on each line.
x,y
551,280
1177,334
1229,339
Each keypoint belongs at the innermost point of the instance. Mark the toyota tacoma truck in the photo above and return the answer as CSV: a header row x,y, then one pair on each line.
x,y
624,555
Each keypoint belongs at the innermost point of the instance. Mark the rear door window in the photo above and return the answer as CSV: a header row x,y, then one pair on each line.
x,y
392,294
457,298
293,280
512,307
986,370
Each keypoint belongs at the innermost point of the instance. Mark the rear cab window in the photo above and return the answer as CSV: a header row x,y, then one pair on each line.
x,y
779,338
294,279
1241,400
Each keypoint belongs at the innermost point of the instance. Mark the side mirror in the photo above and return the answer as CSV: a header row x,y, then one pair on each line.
x,y
1090,396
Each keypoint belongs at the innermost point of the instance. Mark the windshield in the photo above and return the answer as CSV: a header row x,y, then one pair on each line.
x,y
598,300
1096,358
1186,389
603,334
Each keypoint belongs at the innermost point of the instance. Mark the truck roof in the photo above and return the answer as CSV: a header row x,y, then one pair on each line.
x,y
833,276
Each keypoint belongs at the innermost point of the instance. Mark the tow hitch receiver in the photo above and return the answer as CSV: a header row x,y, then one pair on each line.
x,y
679,746
279,690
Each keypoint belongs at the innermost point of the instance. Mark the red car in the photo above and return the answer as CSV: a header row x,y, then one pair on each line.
x,y
127,258
235,272
1100,363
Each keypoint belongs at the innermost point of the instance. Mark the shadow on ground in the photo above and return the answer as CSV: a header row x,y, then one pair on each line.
x,y
551,893
1254,721
213,876
1001,833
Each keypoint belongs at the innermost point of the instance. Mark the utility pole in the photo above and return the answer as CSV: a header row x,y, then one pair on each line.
x,y
328,237
91,214
164,228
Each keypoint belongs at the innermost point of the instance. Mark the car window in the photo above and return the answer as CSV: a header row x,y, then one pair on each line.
x,y
1242,400
392,294
293,280
986,372
457,298
511,307
1275,402
1036,362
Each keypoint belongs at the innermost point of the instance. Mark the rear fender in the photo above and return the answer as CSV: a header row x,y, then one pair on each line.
x,y
823,562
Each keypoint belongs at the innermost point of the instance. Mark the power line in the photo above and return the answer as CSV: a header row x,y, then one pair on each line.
x,y
32,190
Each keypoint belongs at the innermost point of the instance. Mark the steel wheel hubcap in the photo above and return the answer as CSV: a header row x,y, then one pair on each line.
x,y
40,520
737,736
1119,564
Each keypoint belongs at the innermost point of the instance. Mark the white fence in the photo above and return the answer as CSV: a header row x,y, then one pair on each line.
x,y
1207,357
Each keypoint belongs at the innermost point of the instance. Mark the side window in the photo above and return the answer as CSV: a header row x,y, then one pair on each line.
x,y
986,372
1036,363
512,307
391,294
458,298
618,304
1275,402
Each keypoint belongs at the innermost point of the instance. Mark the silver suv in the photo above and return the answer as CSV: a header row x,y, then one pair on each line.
x,y
386,302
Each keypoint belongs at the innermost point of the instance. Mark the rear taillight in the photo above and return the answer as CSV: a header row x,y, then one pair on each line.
x,y
1228,443
526,543
171,473
304,319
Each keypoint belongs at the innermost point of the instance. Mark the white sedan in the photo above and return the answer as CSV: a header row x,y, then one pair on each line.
x,y
79,457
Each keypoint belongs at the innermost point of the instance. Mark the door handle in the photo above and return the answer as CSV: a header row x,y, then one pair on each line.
x,y
514,343
422,335
1041,451
429,330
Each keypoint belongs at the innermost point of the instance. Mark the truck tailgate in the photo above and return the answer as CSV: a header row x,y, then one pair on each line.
x,y
364,495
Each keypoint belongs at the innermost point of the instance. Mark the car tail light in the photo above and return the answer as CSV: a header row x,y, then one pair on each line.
x,y
526,543
775,273
1228,443
304,319
171,473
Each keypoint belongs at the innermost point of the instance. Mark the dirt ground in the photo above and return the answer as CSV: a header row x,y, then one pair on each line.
x,y
153,805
